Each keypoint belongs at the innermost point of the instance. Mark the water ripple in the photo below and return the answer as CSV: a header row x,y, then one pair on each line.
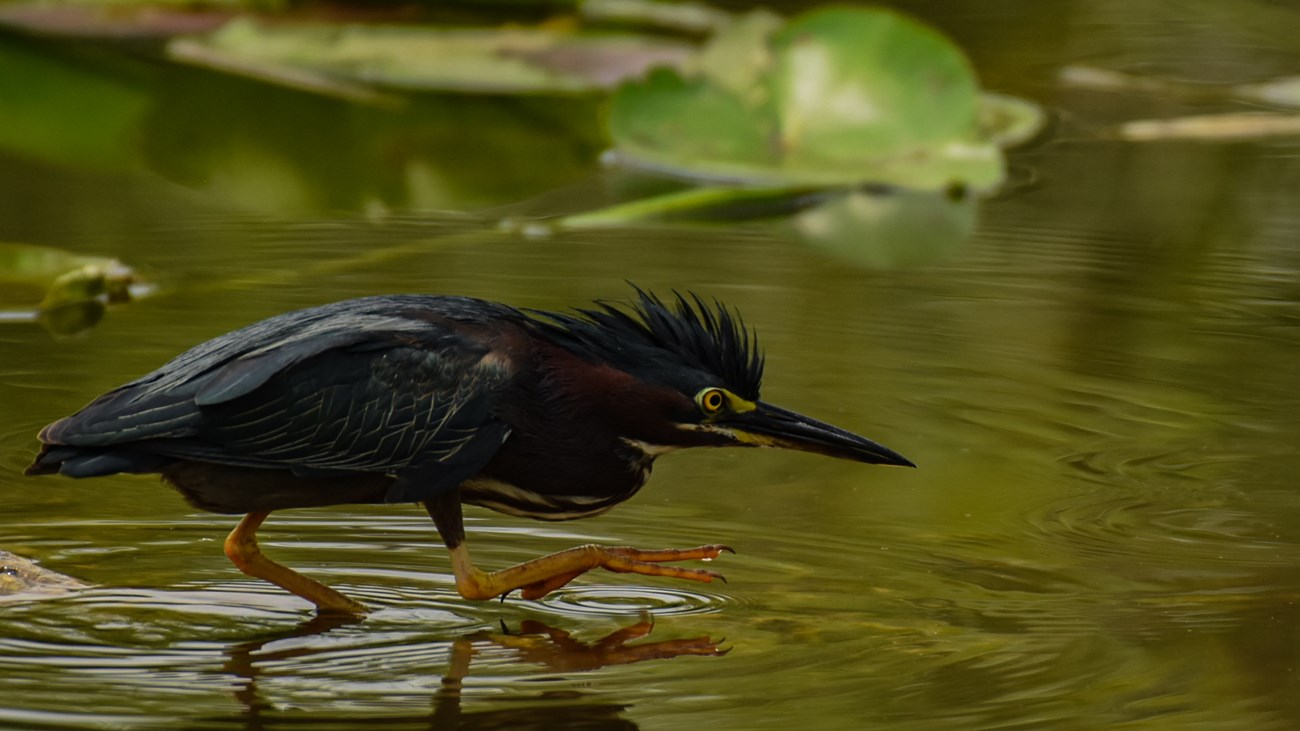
x,y
589,599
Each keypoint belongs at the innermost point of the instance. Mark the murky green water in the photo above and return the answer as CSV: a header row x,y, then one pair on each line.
x,y
1100,388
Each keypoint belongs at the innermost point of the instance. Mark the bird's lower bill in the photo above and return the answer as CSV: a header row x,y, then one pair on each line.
x,y
772,426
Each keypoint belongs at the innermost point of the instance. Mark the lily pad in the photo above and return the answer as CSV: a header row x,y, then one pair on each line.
x,y
667,120
838,96
852,85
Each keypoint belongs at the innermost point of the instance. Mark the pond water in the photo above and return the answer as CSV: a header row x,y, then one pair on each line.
x,y
1099,385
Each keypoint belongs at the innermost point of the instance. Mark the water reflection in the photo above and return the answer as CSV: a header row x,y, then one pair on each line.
x,y
548,649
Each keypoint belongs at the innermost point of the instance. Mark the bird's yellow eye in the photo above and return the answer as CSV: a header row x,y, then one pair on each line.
x,y
711,400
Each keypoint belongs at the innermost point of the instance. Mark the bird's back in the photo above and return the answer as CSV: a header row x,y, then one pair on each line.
x,y
365,386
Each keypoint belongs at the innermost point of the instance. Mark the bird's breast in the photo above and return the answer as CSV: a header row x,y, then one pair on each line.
x,y
537,478
511,499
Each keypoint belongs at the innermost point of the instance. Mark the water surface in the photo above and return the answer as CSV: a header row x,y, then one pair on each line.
x,y
1100,389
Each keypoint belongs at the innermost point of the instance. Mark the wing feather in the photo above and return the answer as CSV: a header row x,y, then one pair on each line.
x,y
353,392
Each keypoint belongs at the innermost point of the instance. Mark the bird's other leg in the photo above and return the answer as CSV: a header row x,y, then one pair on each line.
x,y
243,551
541,576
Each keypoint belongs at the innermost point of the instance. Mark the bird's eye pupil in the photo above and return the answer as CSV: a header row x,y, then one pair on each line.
x,y
713,400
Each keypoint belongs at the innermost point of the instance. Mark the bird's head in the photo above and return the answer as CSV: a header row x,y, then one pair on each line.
x,y
687,374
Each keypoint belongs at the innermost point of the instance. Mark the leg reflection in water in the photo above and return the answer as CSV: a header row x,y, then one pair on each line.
x,y
535,643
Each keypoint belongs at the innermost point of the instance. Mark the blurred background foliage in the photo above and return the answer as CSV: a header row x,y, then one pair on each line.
x,y
839,125
829,123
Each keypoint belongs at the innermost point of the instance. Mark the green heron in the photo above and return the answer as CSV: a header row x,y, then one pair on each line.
x,y
444,400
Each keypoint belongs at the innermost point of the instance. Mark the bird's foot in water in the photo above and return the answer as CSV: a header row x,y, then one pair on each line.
x,y
541,576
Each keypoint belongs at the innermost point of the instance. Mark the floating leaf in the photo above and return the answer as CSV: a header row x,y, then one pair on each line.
x,y
1239,126
836,97
63,291
1092,77
677,15
417,58
1283,91
45,278
667,119
1007,121
851,85
124,19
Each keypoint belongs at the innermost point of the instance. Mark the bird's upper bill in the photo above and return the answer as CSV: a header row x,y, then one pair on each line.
x,y
766,425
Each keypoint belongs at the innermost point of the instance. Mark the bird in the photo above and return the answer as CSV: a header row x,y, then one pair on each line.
x,y
446,400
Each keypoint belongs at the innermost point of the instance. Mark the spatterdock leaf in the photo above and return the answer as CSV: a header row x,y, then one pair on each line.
x,y
861,85
668,121
837,97
423,58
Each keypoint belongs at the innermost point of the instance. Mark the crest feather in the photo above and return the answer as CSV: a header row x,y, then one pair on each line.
x,y
704,335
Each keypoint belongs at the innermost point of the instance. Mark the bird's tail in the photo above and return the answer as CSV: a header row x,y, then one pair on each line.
x,y
94,461
44,464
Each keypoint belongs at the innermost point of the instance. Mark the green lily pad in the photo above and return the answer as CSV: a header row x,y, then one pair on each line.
x,y
852,86
838,96
703,122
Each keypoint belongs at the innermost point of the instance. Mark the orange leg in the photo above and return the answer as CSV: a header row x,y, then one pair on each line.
x,y
243,551
541,576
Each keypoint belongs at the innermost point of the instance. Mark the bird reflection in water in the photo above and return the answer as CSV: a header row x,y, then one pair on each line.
x,y
536,643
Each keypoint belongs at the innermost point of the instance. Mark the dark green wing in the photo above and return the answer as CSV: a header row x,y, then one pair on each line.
x,y
354,391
